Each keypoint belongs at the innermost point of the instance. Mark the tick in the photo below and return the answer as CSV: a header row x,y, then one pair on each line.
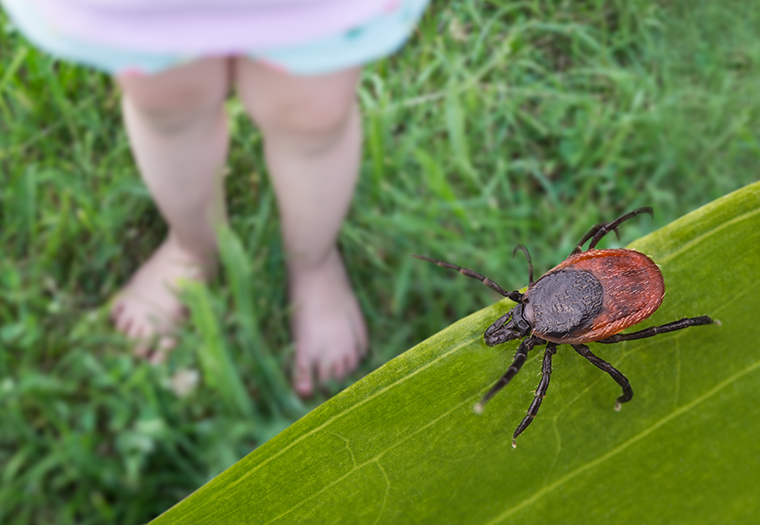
x,y
591,296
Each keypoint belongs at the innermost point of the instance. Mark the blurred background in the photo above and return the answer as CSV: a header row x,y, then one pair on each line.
x,y
501,122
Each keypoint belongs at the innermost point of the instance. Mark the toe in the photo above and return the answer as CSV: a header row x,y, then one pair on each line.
x,y
116,311
302,382
165,345
324,370
136,333
122,321
350,362
136,330
141,349
338,370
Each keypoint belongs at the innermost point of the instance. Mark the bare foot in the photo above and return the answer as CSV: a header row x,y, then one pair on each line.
x,y
328,326
147,309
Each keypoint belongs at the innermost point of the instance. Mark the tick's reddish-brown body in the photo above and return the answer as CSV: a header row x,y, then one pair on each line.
x,y
591,296
630,289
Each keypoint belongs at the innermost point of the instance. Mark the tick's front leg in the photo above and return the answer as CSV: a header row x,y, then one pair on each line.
x,y
543,386
520,356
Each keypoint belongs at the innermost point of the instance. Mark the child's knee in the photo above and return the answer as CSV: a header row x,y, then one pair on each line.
x,y
299,105
308,116
178,96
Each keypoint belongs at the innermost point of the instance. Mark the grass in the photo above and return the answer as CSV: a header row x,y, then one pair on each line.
x,y
501,122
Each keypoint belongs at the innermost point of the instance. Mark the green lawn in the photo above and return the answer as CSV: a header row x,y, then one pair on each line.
x,y
501,122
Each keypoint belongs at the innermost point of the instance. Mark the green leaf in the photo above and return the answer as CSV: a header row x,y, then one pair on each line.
x,y
269,376
403,445
215,359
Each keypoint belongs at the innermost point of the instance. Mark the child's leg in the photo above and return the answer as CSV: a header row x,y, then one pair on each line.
x,y
312,142
178,131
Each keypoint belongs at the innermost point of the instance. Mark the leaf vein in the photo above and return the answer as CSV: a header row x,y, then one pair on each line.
x,y
706,235
387,490
644,433
348,446
375,459
350,409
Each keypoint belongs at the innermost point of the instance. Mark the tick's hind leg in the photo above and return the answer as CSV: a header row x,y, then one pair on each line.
x,y
594,229
612,226
600,230
619,378
686,322
520,356
543,386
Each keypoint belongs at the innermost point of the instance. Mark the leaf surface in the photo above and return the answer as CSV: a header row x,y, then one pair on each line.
x,y
403,445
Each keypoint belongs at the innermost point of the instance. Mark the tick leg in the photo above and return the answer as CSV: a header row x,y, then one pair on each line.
x,y
598,231
595,228
515,295
546,371
520,356
610,226
619,378
662,329
527,256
